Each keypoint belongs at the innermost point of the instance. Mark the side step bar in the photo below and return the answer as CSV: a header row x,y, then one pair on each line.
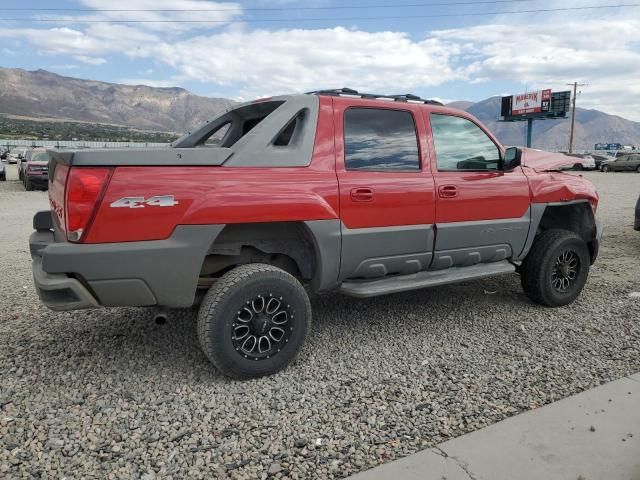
x,y
402,283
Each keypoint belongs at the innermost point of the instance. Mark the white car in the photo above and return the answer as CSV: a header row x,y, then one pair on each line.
x,y
16,154
583,161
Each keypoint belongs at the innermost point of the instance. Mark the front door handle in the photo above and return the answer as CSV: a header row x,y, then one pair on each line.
x,y
448,191
362,194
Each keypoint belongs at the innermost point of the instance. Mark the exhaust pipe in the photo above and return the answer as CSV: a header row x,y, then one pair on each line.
x,y
161,317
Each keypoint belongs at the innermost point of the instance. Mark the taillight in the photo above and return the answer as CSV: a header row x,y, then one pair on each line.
x,y
85,188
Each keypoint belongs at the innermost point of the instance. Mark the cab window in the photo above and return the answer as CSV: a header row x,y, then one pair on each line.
x,y
380,139
461,145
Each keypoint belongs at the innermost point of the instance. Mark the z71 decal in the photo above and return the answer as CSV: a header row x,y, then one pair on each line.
x,y
140,202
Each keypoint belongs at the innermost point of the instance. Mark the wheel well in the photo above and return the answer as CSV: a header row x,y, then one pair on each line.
x,y
576,217
287,245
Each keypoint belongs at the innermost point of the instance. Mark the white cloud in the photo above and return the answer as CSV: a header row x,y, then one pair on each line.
x,y
602,53
161,15
533,50
267,62
90,60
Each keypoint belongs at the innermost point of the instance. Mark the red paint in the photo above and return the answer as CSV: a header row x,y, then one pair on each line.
x,y
323,190
398,198
57,185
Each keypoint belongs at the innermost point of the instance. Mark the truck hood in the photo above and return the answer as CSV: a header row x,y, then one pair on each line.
x,y
542,161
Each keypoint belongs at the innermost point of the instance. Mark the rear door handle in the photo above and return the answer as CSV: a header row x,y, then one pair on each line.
x,y
362,194
448,191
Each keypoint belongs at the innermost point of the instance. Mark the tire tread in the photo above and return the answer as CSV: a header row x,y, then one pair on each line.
x,y
531,273
212,303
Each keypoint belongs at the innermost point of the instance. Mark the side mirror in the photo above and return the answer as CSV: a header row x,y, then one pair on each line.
x,y
512,156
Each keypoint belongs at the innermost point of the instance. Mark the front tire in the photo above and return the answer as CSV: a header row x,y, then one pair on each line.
x,y
556,269
28,185
605,168
253,321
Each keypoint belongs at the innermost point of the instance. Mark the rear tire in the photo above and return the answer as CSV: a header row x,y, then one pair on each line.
x,y
253,321
638,169
556,269
578,166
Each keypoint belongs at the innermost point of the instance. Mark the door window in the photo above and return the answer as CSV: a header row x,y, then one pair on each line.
x,y
380,139
461,145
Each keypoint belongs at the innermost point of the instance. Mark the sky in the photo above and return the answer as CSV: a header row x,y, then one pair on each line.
x,y
450,50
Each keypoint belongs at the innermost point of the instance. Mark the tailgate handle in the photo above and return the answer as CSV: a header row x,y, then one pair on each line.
x,y
362,194
448,191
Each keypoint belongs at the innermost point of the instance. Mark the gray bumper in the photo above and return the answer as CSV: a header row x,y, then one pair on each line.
x,y
59,292
70,276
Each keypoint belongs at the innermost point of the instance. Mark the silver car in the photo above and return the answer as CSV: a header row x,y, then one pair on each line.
x,y
623,163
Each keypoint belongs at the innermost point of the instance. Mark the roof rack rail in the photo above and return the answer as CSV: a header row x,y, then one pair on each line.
x,y
350,92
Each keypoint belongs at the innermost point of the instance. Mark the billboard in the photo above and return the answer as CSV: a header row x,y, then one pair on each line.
x,y
608,146
531,102
538,104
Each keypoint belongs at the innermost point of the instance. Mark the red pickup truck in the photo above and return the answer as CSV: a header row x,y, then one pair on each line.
x,y
331,190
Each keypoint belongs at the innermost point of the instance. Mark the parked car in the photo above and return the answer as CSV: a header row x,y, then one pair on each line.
x,y
16,154
334,190
624,163
636,223
22,162
599,159
3,173
584,161
35,173
621,153
4,152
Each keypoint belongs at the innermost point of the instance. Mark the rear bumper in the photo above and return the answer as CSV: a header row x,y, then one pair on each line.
x,y
60,292
71,276
41,181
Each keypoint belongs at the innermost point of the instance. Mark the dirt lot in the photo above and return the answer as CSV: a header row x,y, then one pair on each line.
x,y
111,394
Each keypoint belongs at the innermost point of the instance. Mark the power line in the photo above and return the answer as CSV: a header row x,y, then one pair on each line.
x,y
385,17
248,9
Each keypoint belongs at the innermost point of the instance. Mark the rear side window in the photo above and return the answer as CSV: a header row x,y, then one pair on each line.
x,y
218,134
462,145
380,139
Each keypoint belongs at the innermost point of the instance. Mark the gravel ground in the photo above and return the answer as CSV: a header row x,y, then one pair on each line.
x,y
110,394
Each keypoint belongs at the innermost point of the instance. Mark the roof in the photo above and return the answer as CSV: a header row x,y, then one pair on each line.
x,y
349,92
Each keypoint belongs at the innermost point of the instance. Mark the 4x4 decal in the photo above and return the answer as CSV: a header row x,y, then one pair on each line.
x,y
140,202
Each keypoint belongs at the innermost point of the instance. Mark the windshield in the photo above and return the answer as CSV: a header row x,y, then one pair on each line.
x,y
40,157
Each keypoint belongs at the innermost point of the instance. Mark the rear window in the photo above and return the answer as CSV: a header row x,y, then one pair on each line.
x,y
236,123
380,139
40,157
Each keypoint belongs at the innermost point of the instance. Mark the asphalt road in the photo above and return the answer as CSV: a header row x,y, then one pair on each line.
x,y
111,394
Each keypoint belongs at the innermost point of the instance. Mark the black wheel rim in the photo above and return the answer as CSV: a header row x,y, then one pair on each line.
x,y
565,270
262,327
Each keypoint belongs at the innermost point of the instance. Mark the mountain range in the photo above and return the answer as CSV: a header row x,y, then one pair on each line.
x,y
42,95
592,126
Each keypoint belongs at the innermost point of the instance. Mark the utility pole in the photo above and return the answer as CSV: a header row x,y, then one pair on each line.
x,y
573,112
